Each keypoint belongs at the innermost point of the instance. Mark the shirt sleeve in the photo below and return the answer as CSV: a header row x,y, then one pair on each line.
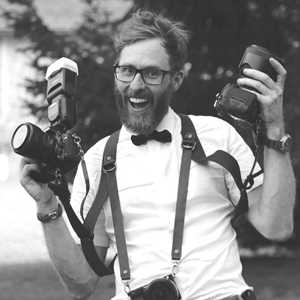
x,y
93,159
238,148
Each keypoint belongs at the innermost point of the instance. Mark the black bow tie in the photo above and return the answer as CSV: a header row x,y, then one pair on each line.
x,y
160,136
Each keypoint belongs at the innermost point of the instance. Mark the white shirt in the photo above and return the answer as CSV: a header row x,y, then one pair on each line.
x,y
147,178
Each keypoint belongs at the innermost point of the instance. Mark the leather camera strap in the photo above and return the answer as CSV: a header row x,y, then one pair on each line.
x,y
192,149
188,145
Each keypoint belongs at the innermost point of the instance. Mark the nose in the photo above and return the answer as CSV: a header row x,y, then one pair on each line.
x,y
137,83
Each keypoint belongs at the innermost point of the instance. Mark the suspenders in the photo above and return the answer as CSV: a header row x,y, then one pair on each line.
x,y
192,150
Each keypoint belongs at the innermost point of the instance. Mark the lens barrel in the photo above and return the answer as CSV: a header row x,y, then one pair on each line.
x,y
30,141
257,57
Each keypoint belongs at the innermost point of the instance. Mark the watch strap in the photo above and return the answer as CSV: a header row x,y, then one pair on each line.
x,y
51,216
282,145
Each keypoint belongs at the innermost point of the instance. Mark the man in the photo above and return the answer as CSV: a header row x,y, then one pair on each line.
x,y
151,52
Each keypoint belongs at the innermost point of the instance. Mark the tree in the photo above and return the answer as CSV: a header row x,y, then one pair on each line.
x,y
221,31
90,45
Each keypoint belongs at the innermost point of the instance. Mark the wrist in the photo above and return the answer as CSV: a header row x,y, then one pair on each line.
x,y
44,207
275,131
51,215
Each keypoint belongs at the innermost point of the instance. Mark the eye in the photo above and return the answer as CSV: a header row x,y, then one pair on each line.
x,y
126,70
152,72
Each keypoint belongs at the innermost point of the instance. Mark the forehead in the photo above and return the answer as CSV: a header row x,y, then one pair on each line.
x,y
145,53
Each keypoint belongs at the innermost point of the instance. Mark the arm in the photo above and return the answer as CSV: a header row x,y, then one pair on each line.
x,y
65,254
69,261
272,205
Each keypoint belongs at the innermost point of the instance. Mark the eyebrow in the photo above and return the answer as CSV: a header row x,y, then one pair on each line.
x,y
145,67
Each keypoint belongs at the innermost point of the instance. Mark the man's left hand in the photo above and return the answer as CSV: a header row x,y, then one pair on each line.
x,y
270,96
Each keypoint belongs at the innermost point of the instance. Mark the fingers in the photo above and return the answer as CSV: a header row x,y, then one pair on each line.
x,y
258,76
281,71
27,160
254,84
27,170
261,82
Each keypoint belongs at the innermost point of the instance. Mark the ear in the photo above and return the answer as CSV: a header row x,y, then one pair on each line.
x,y
178,79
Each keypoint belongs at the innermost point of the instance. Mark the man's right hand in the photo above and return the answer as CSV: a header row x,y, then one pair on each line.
x,y
40,192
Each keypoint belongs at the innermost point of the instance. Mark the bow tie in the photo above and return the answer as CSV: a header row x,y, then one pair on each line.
x,y
160,136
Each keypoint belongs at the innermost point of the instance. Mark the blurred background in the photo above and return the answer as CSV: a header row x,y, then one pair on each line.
x,y
34,33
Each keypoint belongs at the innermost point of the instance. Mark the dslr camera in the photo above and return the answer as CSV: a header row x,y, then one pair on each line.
x,y
159,289
57,148
236,103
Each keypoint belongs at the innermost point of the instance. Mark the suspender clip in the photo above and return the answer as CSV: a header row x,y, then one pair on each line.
x,y
175,267
189,141
109,164
126,286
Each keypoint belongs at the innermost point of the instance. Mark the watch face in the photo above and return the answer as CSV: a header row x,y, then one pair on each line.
x,y
286,143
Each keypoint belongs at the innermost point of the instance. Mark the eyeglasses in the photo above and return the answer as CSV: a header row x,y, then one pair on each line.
x,y
150,75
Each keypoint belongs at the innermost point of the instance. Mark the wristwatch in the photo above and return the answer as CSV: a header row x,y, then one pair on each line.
x,y
51,216
283,145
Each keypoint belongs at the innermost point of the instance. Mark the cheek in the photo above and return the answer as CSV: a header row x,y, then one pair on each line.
x,y
162,91
120,87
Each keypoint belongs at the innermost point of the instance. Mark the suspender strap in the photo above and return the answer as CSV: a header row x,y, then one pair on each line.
x,y
224,159
190,147
231,165
118,225
87,245
187,127
108,163
109,171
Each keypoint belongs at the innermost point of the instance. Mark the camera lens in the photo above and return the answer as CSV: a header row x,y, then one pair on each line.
x,y
257,57
30,141
19,137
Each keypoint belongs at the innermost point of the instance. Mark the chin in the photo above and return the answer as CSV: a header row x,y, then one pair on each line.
x,y
141,124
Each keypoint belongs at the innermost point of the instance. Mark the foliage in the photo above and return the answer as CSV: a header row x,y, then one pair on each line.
x,y
90,45
221,31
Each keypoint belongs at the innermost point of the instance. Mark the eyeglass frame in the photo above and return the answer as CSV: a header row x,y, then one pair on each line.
x,y
140,71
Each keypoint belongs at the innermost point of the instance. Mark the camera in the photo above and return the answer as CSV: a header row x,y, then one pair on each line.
x,y
237,103
57,147
159,289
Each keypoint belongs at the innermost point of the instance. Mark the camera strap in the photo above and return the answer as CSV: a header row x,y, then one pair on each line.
x,y
108,188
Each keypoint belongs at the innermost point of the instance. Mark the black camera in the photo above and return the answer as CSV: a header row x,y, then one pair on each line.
x,y
159,289
57,147
238,103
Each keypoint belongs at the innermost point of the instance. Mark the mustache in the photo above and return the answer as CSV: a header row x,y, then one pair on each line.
x,y
138,94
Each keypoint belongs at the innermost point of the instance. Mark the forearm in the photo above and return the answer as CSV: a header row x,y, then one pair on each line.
x,y
272,213
68,258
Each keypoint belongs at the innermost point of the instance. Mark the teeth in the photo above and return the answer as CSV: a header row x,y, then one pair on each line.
x,y
138,100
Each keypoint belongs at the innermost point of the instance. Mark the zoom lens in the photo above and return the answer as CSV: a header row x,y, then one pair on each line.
x,y
30,141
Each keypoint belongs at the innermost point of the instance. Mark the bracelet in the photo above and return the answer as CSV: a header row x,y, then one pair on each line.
x,y
51,216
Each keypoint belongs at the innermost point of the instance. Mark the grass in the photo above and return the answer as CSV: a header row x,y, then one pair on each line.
x,y
273,279
38,281
26,272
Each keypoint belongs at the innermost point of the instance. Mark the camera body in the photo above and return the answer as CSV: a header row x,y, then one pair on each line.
x,y
57,147
159,289
237,103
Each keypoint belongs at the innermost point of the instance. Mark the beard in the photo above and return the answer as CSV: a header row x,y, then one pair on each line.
x,y
144,121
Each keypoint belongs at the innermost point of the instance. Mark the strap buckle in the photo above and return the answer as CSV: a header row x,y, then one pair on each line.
x,y
109,165
175,264
189,141
126,286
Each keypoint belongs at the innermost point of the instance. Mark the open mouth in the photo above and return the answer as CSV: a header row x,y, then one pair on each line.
x,y
139,103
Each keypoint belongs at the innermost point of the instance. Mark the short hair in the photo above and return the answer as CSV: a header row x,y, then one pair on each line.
x,y
145,24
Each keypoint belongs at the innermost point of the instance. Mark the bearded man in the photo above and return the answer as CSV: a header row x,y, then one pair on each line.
x,y
149,69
